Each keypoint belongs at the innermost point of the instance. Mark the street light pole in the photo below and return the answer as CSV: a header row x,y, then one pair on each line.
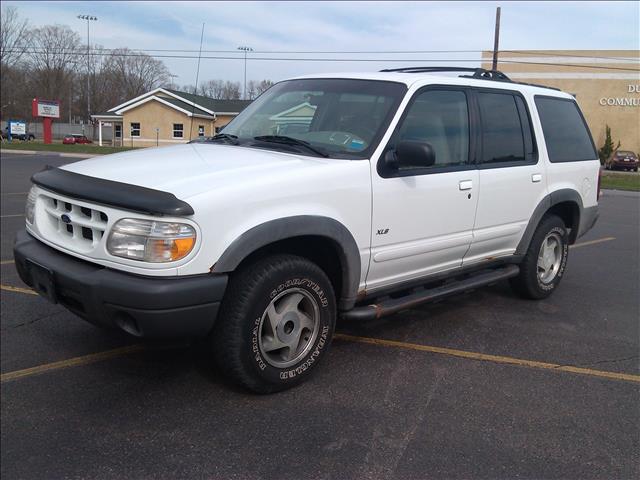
x,y
88,18
245,50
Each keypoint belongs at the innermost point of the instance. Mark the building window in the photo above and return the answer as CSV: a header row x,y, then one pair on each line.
x,y
201,130
177,130
135,129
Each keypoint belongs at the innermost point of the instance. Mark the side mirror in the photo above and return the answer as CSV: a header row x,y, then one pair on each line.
x,y
415,154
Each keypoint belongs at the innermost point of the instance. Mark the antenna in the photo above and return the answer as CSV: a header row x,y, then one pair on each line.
x,y
195,88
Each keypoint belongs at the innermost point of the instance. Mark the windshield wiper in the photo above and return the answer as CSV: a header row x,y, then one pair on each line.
x,y
232,139
291,141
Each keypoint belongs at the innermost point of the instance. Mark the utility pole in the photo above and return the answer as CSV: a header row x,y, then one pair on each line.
x,y
496,41
245,50
88,18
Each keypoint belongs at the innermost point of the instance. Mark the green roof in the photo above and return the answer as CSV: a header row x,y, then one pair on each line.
x,y
218,106
185,106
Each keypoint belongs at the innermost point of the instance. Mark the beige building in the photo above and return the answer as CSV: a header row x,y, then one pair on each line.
x,y
606,84
165,117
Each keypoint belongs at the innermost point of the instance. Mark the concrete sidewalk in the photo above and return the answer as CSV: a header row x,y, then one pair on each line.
x,y
59,154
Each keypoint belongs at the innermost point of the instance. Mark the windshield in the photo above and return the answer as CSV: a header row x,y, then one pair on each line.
x,y
341,118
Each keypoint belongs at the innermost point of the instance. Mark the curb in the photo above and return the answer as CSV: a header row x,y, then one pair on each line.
x,y
58,154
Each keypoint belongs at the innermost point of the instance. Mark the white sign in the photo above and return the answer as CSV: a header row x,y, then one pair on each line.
x,y
48,109
18,128
107,124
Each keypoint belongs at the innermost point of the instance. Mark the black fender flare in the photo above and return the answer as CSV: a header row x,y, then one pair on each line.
x,y
553,198
298,226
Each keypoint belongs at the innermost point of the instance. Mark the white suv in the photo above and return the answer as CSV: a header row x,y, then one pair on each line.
x,y
333,195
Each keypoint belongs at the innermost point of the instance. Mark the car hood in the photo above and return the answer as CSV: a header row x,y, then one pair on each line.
x,y
191,169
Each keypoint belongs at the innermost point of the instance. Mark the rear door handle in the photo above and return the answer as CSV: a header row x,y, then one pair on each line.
x,y
536,177
465,184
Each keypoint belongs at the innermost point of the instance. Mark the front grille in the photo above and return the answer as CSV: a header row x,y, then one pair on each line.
x,y
73,226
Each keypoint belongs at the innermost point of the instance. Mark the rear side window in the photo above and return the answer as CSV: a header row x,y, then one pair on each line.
x,y
565,131
503,138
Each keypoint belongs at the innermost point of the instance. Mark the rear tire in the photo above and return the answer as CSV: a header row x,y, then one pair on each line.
x,y
276,323
544,263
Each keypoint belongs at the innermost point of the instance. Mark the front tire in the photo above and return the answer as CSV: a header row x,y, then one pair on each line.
x,y
276,323
544,263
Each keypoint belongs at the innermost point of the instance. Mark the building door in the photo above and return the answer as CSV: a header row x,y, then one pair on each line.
x,y
117,134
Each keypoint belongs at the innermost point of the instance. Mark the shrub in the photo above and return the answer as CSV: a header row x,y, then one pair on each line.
x,y
608,148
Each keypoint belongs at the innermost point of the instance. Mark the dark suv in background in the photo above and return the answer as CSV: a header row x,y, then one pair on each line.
x,y
622,159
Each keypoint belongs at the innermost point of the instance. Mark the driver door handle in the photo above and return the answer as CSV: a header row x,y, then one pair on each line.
x,y
465,184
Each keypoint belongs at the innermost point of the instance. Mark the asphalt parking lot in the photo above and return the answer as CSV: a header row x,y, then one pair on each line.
x,y
484,385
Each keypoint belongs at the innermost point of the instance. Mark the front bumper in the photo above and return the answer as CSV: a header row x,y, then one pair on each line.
x,y
142,306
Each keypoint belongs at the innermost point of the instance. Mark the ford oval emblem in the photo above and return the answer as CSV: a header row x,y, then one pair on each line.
x,y
65,218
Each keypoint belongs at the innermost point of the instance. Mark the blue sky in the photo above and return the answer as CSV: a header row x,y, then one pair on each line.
x,y
339,26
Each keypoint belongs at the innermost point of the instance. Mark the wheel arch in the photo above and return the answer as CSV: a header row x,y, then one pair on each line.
x,y
565,203
321,239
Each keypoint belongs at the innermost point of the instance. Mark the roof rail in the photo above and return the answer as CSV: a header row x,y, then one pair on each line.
x,y
477,73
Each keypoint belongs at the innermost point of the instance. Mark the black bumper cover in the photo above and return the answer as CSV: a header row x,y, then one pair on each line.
x,y
142,306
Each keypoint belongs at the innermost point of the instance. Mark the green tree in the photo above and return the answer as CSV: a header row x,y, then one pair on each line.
x,y
608,148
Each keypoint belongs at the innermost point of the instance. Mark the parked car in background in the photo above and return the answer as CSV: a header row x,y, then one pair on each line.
x,y
25,137
75,138
622,159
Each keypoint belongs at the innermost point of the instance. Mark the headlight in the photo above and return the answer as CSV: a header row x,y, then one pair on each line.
x,y
151,241
31,205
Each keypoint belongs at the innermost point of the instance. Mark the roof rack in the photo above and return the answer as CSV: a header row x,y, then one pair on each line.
x,y
477,73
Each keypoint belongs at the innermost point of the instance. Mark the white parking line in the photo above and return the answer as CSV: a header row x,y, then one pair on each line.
x,y
592,242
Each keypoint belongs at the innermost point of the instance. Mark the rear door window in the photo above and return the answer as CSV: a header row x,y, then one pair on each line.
x,y
565,131
503,138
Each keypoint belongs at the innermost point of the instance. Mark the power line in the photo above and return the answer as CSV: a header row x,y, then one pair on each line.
x,y
178,50
340,52
354,60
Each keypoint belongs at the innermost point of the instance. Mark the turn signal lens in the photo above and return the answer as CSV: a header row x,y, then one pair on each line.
x,y
30,206
151,241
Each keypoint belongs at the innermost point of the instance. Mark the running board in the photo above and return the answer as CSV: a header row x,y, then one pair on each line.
x,y
394,305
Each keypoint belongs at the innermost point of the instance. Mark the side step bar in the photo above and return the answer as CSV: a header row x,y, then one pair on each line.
x,y
394,305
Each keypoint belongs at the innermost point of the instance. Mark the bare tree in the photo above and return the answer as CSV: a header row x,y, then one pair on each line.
x,y
263,86
220,89
13,33
133,73
252,89
55,55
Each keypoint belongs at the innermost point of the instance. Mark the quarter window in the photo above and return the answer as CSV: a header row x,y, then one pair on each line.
x,y
565,132
135,129
502,130
177,130
440,118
